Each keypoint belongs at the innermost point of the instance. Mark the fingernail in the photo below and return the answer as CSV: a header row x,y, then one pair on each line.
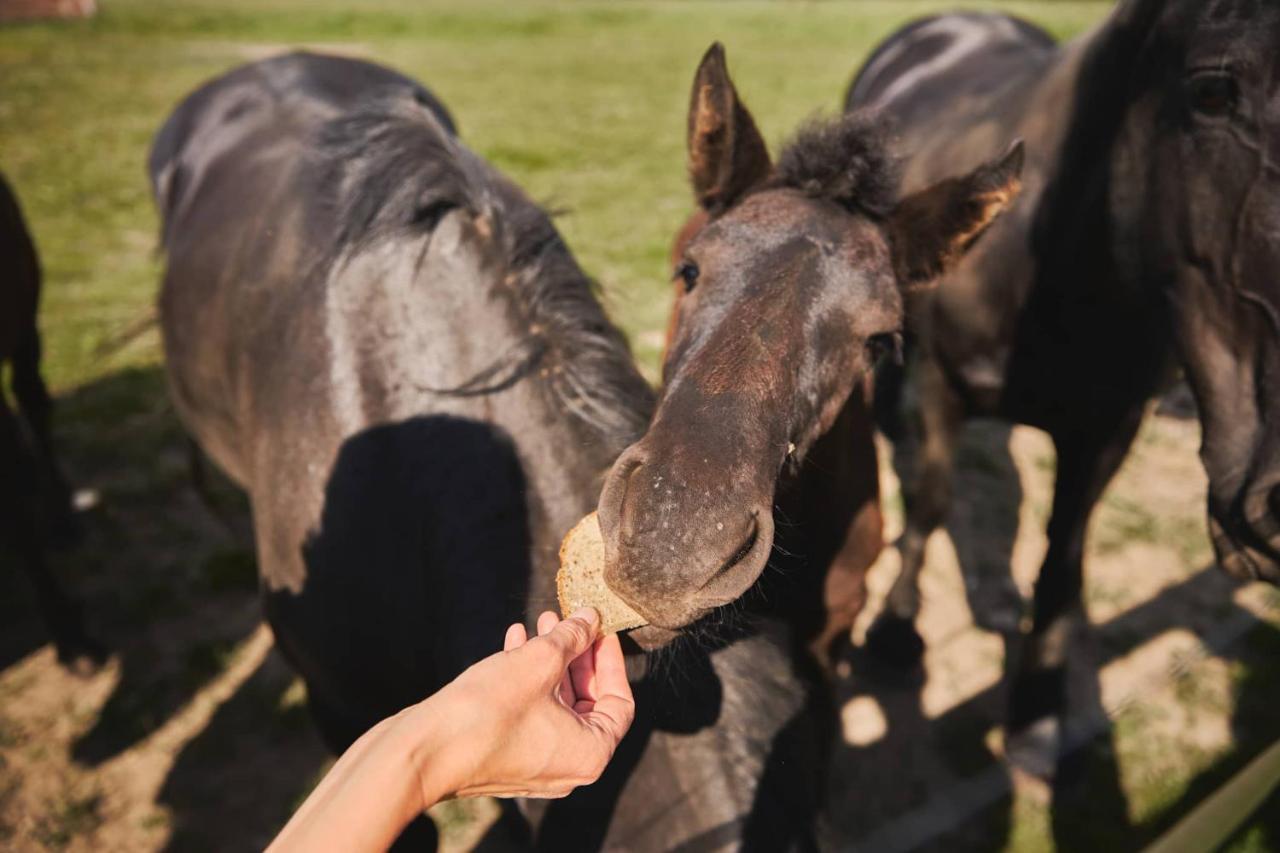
x,y
586,614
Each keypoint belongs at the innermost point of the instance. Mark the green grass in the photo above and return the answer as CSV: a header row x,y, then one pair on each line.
x,y
582,103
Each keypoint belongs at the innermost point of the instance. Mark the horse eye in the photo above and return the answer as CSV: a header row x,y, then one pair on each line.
x,y
1213,94
879,346
688,272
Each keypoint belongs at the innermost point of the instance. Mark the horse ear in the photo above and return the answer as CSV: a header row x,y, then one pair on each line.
x,y
932,229
727,155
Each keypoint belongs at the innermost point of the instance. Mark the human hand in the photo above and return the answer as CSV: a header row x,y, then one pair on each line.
x,y
538,719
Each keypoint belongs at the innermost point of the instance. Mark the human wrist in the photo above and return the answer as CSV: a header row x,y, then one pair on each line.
x,y
442,744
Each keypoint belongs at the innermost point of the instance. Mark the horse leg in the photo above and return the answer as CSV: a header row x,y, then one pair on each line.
x,y
1038,693
61,614
844,590
37,410
893,638
844,525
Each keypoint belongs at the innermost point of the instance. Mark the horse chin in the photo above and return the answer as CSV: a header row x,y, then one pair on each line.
x,y
650,638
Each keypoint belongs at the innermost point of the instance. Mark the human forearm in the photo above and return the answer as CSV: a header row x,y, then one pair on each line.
x,y
537,719
376,788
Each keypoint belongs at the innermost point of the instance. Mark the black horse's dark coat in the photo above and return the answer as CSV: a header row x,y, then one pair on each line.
x,y
35,502
1148,232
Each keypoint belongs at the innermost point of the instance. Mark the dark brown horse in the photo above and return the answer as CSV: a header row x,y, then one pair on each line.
x,y
35,502
843,479
792,287
789,283
1147,235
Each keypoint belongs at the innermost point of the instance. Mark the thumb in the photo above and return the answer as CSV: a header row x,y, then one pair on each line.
x,y
576,634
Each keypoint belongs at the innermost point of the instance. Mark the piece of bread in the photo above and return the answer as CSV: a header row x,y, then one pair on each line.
x,y
580,581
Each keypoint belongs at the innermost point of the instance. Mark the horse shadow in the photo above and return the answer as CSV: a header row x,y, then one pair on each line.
x,y
171,587
941,781
235,784
164,583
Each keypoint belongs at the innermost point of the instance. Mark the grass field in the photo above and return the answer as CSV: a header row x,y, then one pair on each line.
x,y
195,737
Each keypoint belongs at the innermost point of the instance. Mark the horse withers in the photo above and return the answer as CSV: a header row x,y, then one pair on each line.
x,y
35,502
1147,236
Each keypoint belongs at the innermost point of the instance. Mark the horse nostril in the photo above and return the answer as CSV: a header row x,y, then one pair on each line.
x,y
744,549
614,494
743,566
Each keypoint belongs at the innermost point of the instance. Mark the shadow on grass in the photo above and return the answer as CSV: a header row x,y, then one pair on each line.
x,y
236,783
1256,685
937,783
174,592
168,587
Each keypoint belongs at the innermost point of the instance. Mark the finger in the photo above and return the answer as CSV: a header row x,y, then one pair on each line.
x,y
546,622
576,634
582,673
611,670
515,638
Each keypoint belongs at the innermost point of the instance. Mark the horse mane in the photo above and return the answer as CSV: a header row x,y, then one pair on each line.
x,y
845,160
391,169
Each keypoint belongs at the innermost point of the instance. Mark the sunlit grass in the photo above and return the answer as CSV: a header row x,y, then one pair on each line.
x,y
582,103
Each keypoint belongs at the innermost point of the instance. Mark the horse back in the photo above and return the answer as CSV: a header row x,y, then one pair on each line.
x,y
935,64
244,229
220,117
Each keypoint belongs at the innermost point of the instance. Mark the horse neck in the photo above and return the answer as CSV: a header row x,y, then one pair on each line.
x,y
398,356
565,454
564,460
1089,85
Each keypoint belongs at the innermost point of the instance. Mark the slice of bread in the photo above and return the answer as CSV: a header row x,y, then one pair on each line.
x,y
580,581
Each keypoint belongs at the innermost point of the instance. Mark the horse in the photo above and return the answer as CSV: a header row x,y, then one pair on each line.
x,y
783,270
393,352
844,524
793,287
1145,238
35,501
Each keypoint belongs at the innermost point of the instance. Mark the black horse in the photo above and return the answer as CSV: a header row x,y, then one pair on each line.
x,y
391,349
35,502
1146,237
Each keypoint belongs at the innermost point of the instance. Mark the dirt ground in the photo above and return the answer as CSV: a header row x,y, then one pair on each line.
x,y
195,735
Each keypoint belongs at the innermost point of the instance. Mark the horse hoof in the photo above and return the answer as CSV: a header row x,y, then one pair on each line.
x,y
894,641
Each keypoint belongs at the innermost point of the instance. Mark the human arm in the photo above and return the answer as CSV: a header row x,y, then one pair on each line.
x,y
537,720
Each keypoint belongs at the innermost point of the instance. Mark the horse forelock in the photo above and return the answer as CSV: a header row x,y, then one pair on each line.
x,y
845,160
